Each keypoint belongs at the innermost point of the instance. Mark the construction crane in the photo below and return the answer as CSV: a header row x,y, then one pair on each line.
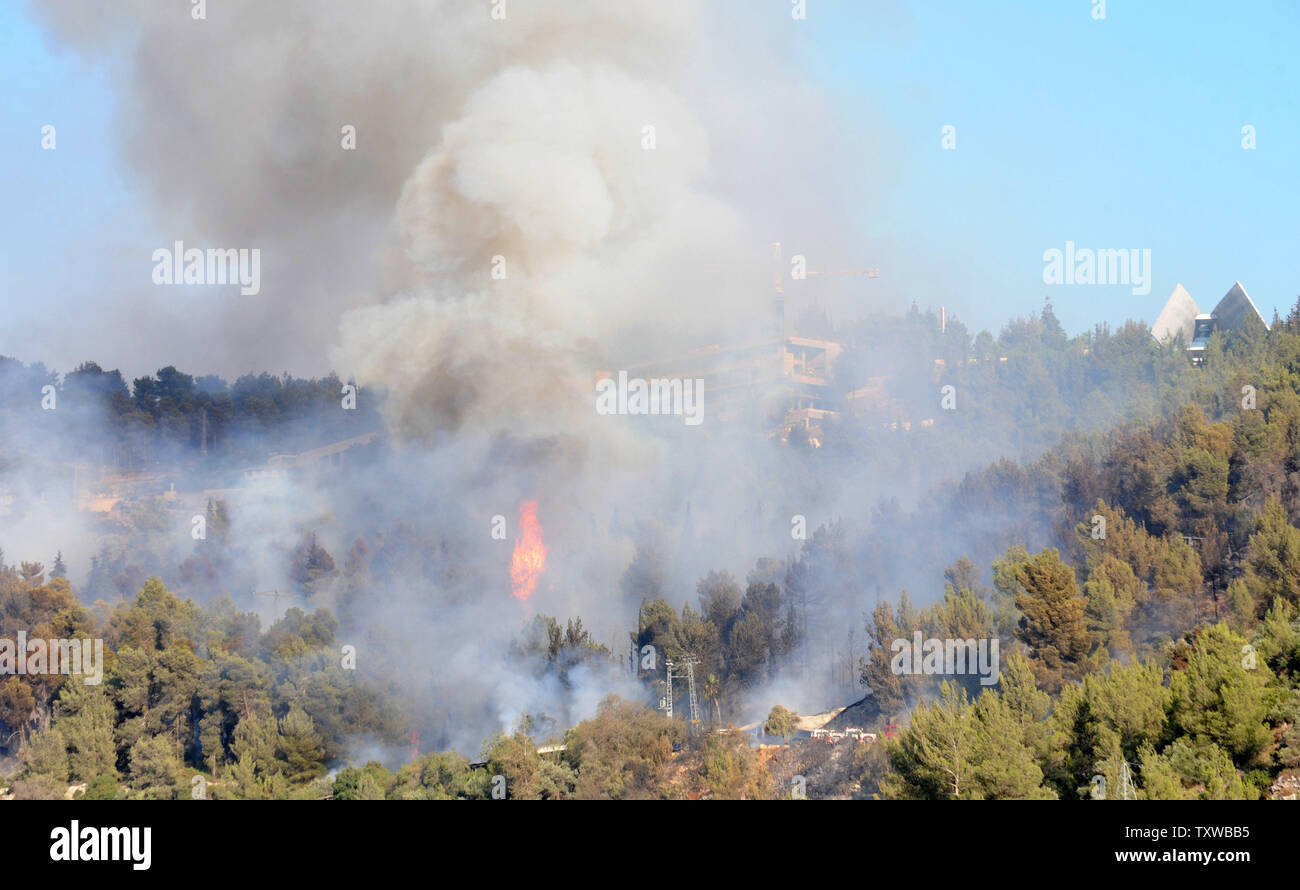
x,y
778,270
778,307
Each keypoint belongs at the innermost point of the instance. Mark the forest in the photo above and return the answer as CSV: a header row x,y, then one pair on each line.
x,y
1131,540
169,419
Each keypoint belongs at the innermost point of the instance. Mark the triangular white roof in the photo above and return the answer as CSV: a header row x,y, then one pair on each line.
x,y
1178,316
1235,307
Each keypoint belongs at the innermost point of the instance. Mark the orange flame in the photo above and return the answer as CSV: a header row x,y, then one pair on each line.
x,y
529,559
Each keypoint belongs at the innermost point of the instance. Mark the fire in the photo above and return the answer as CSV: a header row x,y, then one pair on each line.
x,y
529,559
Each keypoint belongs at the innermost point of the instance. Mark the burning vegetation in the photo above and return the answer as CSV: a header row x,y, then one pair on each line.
x,y
528,560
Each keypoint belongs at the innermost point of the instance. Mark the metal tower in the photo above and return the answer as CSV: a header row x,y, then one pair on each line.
x,y
668,690
691,662
1127,790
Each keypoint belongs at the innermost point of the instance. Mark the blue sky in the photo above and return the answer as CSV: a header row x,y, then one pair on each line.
x,y
1114,133
74,217
1118,133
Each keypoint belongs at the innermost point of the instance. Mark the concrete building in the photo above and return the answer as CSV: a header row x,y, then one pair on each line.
x,y
1178,317
783,381
1182,317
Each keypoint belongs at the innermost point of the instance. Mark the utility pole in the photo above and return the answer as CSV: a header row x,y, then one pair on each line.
x,y
275,601
668,686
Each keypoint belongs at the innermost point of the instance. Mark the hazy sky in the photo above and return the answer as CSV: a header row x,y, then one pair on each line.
x,y
1115,133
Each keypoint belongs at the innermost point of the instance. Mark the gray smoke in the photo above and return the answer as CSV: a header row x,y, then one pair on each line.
x,y
624,164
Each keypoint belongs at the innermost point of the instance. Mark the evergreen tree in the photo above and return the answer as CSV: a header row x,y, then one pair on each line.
x,y
1222,696
1053,625
1273,558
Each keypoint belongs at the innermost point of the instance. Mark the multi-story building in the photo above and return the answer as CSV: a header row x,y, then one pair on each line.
x,y
782,382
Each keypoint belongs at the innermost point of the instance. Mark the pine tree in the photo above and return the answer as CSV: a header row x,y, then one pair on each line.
x,y
1273,558
1004,766
933,758
255,774
155,768
1221,696
1160,781
47,755
86,716
301,748
1053,626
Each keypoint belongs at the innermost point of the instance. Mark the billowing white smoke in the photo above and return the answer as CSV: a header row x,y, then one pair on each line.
x,y
519,136
567,146
552,230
